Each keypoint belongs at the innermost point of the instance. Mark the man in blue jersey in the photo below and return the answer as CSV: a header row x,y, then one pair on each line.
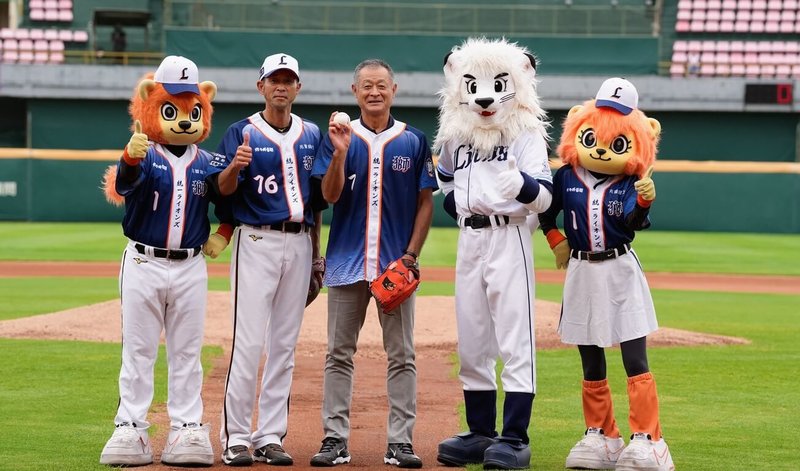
x,y
270,155
378,172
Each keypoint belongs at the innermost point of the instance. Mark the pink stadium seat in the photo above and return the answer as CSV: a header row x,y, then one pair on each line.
x,y
51,15
773,15
684,4
6,33
80,36
65,4
22,33
795,71
10,44
694,46
786,27
10,56
744,4
712,26
772,27
699,5
677,70
758,15
51,34
684,15
37,34
708,58
783,71
726,26
741,26
722,70
680,46
36,4
56,46
790,5
51,4
792,46
707,70
678,57
722,46
56,58
788,15
777,46
40,57
752,70
774,5
682,26
759,5
728,15
767,70
714,4
697,26
737,58
737,46
797,27
764,46
37,15
728,4
756,26
713,15
40,45
65,15
65,35
723,58
737,70
743,15
698,15
750,58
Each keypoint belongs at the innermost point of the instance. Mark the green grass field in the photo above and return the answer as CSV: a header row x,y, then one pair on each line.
x,y
722,408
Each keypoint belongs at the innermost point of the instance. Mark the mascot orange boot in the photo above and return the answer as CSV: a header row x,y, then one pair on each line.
x,y
606,191
165,180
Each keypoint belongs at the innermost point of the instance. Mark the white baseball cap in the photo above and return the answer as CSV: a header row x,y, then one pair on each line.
x,y
178,75
619,94
277,62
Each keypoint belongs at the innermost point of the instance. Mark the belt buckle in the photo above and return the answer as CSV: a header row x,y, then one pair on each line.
x,y
478,221
177,254
594,258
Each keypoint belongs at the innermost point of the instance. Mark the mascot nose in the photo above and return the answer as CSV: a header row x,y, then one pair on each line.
x,y
484,102
184,125
600,152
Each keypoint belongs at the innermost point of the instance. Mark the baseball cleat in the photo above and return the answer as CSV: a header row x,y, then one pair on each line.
x,y
127,446
595,451
643,454
507,453
332,452
463,449
274,454
402,456
237,455
188,445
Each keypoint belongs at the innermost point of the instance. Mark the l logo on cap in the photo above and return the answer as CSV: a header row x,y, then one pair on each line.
x,y
183,74
283,58
616,93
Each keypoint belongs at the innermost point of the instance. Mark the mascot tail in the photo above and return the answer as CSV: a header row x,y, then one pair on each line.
x,y
109,180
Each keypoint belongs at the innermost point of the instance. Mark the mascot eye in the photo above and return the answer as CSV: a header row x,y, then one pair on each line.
x,y
472,87
588,138
197,112
169,112
500,85
620,145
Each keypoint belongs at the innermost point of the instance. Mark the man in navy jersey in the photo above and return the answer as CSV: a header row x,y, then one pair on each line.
x,y
378,172
270,155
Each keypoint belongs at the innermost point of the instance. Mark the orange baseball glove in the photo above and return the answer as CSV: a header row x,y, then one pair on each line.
x,y
395,284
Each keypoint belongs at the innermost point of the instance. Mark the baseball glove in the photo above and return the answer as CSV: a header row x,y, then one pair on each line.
x,y
315,284
395,284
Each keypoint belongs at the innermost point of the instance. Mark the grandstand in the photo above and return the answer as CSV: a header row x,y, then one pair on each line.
x,y
718,74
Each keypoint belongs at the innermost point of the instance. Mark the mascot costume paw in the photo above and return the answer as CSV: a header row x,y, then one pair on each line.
x,y
606,190
163,177
493,170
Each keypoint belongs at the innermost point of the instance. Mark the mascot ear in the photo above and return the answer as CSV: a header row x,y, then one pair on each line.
x,y
209,88
576,109
532,59
145,87
655,126
446,58
451,61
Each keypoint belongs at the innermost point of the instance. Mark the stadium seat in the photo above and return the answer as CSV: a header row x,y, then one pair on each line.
x,y
6,33
51,34
682,26
714,4
65,4
726,26
680,46
80,36
677,70
759,5
790,5
773,15
51,4
22,33
722,46
37,15
767,70
752,70
792,46
772,27
697,26
728,4
699,5
679,57
712,26
775,5
728,15
684,4
744,4
65,16
743,15
40,45
36,34
722,58
708,46
786,27
65,35
713,15
741,26
736,46
795,71
764,46
684,15
51,15
722,70
40,57
698,15
736,58
783,71
56,46
756,26
737,70
758,15
56,58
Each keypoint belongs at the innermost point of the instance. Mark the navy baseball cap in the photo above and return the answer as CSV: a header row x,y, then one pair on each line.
x,y
619,94
277,62
178,75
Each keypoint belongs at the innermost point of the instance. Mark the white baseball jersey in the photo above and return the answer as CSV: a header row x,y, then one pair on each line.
x,y
494,264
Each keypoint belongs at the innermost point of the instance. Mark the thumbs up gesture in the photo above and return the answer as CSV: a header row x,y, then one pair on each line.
x,y
244,153
137,146
645,187
510,181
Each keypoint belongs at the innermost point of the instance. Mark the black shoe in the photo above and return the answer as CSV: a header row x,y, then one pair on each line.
x,y
273,454
402,456
463,449
332,452
507,453
237,455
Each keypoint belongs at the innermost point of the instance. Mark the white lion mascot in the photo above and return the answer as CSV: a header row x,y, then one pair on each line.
x,y
493,170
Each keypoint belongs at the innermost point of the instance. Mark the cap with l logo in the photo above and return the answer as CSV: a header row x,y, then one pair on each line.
x,y
619,94
277,62
178,75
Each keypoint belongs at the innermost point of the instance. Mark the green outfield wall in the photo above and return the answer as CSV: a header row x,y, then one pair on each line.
x,y
48,185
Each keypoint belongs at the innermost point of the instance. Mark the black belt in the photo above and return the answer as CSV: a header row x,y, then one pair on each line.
x,y
288,226
601,256
172,254
479,221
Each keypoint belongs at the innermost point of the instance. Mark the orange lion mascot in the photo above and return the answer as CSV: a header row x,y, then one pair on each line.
x,y
606,191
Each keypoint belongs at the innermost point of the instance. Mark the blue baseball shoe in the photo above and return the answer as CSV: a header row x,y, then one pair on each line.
x,y
507,453
463,449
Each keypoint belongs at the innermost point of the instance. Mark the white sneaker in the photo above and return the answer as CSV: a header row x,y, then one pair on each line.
x,y
595,451
127,446
188,445
645,454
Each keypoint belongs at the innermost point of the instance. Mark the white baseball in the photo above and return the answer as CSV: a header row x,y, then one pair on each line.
x,y
341,118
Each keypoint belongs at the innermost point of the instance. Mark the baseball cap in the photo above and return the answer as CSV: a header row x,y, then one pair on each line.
x,y
619,94
178,75
277,62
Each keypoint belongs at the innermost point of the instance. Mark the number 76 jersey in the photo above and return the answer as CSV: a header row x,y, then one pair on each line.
x,y
275,187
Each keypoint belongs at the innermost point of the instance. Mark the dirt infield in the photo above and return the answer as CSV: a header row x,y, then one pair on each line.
x,y
439,391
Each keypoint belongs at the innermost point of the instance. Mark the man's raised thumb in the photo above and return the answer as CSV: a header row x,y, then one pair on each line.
x,y
246,139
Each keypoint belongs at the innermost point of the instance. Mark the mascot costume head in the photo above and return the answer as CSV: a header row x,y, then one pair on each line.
x,y
169,107
489,97
610,135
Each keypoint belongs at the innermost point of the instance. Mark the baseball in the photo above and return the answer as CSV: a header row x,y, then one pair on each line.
x,y
341,118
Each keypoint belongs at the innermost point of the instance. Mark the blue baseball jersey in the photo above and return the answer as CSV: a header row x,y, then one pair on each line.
x,y
275,187
374,217
596,208
167,205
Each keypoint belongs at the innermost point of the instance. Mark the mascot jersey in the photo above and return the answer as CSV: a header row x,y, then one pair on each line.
x,y
169,191
595,209
475,189
386,170
275,186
